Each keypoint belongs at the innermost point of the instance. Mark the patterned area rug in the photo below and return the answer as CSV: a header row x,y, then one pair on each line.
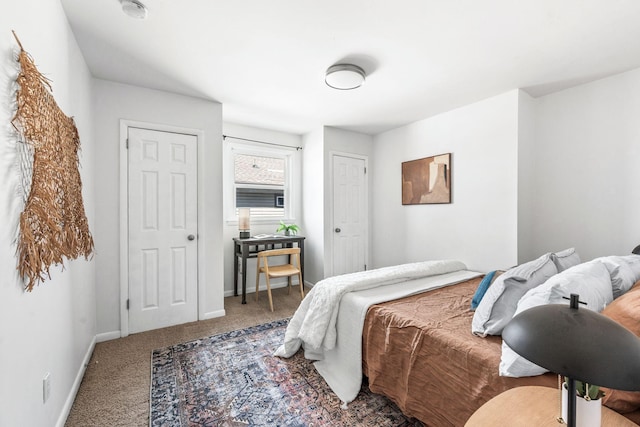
x,y
232,379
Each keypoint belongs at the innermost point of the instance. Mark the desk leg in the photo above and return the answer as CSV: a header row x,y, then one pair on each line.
x,y
245,253
301,246
235,270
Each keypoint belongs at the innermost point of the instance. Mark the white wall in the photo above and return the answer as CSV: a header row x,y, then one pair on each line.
x,y
587,157
52,328
529,176
313,204
231,225
479,227
527,170
112,102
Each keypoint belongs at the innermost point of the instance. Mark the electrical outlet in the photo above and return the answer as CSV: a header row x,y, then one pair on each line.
x,y
46,387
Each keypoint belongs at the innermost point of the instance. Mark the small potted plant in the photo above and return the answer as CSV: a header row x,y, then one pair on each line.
x,y
588,404
288,229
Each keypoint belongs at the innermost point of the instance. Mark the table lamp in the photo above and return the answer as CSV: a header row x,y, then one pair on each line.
x,y
579,344
244,221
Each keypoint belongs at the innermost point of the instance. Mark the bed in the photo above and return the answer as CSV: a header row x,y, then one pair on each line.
x,y
419,351
409,334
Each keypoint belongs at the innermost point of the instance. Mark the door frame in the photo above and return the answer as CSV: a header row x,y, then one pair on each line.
x,y
124,214
329,231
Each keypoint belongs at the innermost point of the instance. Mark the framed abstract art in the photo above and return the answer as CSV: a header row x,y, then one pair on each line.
x,y
427,180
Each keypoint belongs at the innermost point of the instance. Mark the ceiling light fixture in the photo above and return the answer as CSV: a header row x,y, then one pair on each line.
x,y
344,76
134,9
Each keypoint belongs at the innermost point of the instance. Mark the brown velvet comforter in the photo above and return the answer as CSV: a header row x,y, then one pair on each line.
x,y
420,352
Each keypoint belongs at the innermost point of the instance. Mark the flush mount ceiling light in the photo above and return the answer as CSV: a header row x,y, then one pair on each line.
x,y
134,9
344,76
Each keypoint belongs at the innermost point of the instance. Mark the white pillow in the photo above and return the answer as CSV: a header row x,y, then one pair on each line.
x,y
499,302
565,259
591,281
622,275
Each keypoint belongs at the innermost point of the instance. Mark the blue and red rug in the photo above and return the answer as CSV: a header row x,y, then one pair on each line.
x,y
232,379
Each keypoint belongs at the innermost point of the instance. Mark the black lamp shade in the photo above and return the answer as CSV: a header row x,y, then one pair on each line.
x,y
577,343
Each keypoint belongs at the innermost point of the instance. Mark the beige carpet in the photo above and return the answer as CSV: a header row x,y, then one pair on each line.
x,y
115,387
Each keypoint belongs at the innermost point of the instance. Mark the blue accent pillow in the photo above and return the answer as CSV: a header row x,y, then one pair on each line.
x,y
482,288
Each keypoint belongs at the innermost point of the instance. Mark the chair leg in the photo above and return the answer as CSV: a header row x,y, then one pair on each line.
x,y
257,282
290,284
269,291
301,285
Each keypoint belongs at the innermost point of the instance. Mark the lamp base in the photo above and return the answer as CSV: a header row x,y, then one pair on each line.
x,y
245,234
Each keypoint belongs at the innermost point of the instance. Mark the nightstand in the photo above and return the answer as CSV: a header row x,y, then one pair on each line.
x,y
532,406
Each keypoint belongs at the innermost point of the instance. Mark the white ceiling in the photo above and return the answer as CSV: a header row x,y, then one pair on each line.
x,y
264,60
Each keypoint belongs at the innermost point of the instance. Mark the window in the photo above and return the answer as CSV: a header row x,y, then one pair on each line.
x,y
261,180
260,184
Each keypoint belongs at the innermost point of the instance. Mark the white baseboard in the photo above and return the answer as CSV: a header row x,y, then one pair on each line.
x,y
214,314
229,293
108,336
62,419
252,289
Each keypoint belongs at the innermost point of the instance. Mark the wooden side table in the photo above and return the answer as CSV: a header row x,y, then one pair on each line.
x,y
532,406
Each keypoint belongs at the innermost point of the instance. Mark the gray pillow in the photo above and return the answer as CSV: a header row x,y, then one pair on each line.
x,y
500,301
634,262
565,259
622,275
591,281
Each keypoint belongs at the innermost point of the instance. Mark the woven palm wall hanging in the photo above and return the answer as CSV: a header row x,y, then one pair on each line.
x,y
53,224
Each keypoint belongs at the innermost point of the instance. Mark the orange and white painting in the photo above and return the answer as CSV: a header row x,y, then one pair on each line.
x,y
427,180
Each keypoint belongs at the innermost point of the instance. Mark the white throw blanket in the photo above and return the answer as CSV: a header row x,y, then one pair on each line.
x,y
314,323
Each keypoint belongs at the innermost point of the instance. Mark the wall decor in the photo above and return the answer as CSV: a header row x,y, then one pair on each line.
x,y
53,224
427,180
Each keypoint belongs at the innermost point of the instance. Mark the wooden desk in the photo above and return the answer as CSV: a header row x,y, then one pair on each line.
x,y
248,248
532,406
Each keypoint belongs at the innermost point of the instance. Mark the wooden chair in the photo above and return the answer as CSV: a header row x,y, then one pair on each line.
x,y
282,270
